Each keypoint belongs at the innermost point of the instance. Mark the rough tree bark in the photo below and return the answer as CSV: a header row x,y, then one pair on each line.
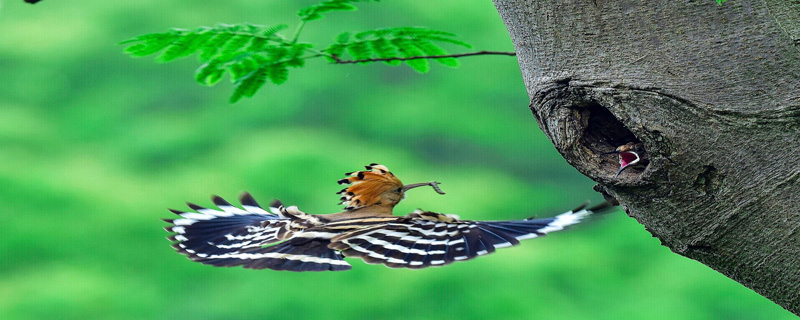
x,y
713,93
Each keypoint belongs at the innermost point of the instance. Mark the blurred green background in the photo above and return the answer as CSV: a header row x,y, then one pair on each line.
x,y
96,145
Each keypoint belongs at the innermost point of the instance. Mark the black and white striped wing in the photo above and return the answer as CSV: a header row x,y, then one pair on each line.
x,y
295,254
425,239
208,232
248,237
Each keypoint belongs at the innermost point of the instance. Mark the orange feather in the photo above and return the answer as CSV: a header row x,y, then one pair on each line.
x,y
367,187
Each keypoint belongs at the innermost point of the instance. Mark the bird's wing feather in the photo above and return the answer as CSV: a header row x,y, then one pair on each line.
x,y
423,239
249,237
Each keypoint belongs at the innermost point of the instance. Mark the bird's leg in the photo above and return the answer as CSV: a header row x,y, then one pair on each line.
x,y
433,184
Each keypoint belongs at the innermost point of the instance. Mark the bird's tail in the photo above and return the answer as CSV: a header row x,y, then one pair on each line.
x,y
247,237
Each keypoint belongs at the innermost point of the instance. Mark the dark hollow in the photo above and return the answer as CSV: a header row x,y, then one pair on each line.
x,y
603,132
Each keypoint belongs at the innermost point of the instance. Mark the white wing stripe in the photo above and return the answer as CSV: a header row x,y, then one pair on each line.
x,y
428,232
392,246
273,255
527,236
502,245
232,210
406,237
315,234
197,216
565,219
183,222
212,212
256,210
368,252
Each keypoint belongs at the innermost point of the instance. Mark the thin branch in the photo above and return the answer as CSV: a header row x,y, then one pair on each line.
x,y
297,31
458,55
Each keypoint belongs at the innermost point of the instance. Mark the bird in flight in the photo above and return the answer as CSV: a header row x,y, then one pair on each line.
x,y
285,238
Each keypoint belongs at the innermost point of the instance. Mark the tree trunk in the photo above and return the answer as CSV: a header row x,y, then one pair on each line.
x,y
713,93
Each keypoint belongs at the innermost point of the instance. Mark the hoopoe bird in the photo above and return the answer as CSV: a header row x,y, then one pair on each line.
x,y
285,238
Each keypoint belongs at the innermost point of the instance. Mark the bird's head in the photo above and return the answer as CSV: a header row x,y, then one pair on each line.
x,y
376,186
630,154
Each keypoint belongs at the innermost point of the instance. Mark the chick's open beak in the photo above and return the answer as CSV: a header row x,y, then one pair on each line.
x,y
627,159
629,154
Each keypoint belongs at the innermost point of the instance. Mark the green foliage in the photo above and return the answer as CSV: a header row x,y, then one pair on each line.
x,y
389,43
254,54
251,54
314,12
720,2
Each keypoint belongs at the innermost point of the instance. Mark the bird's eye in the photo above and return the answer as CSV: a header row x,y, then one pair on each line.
x,y
399,189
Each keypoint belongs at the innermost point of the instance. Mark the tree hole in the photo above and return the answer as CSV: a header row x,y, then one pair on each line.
x,y
604,133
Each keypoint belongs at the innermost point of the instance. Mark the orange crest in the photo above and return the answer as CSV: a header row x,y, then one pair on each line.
x,y
366,187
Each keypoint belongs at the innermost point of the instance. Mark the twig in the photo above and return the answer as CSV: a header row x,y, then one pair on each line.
x,y
297,31
458,55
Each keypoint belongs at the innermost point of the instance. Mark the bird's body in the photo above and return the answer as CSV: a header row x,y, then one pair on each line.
x,y
372,211
285,238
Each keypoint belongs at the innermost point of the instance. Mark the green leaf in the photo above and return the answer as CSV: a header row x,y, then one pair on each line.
x,y
384,49
407,50
359,50
209,73
296,63
431,49
378,33
295,55
278,73
211,42
185,46
249,85
242,68
150,43
210,49
445,39
255,54
257,44
314,12
343,37
312,17
275,53
235,44
269,32
336,50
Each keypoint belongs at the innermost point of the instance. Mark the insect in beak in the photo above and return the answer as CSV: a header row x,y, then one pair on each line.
x,y
433,184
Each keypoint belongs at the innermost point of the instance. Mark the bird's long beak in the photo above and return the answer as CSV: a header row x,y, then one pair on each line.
x,y
626,159
433,184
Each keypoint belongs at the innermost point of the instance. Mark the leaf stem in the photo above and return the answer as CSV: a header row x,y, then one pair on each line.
x,y
458,55
297,31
